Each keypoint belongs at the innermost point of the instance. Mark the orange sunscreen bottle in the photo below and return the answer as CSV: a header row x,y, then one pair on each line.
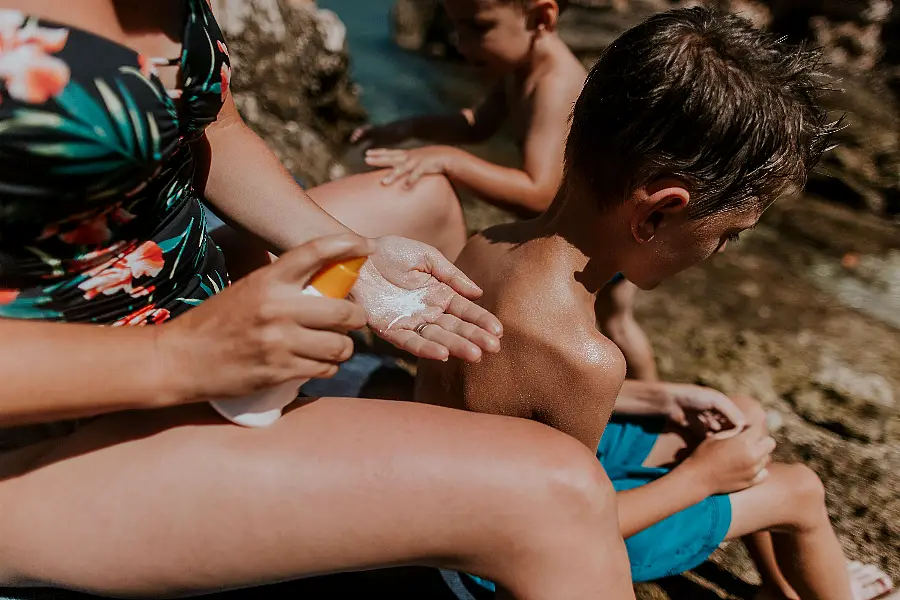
x,y
264,408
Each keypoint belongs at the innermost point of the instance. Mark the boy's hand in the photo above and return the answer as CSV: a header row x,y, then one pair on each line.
x,y
410,165
389,134
726,463
714,410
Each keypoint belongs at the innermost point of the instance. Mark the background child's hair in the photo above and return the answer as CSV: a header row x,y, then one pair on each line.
x,y
704,96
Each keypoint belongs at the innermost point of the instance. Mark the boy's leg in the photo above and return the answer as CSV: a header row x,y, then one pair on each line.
x,y
675,443
615,317
429,212
791,504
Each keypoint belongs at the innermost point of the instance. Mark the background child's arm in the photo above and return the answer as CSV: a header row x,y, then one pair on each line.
x,y
719,465
468,126
526,191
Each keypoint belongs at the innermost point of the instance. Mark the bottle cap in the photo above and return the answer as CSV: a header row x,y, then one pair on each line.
x,y
336,280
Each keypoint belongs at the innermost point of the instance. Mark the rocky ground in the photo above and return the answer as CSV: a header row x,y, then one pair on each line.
x,y
803,313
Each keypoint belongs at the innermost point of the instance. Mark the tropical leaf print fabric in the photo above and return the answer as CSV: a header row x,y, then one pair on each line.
x,y
99,220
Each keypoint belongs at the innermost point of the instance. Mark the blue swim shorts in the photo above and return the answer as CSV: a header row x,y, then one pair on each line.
x,y
674,545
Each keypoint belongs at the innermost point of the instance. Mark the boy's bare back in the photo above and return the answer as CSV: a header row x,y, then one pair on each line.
x,y
554,366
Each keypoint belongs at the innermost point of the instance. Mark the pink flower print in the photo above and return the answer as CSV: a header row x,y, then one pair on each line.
x,y
225,73
222,47
142,316
145,260
146,66
30,72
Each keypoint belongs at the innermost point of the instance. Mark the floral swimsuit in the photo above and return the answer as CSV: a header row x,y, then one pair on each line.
x,y
99,219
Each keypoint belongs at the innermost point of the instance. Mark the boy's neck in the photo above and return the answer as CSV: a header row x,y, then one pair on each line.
x,y
583,242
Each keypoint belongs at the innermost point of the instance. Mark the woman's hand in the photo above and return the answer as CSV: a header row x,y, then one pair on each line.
x,y
263,330
417,300
409,166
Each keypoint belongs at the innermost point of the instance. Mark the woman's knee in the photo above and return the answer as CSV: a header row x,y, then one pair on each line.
x,y
568,489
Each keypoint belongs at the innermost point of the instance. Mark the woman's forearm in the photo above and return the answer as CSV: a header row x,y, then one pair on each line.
x,y
508,188
647,505
249,188
55,371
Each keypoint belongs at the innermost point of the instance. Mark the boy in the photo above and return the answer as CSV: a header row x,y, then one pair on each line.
x,y
536,80
688,127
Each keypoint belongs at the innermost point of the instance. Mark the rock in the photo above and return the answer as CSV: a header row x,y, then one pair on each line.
x,y
851,404
291,81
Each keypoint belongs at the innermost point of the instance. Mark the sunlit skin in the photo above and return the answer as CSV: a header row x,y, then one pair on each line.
x,y
542,278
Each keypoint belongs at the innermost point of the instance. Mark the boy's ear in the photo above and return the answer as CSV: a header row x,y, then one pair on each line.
x,y
662,199
543,15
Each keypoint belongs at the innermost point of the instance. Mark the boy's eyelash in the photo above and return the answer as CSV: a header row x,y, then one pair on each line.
x,y
733,237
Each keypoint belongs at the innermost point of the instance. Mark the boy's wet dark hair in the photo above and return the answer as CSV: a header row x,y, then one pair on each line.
x,y
704,96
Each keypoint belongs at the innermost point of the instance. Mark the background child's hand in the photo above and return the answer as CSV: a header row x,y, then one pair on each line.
x,y
389,134
410,165
727,462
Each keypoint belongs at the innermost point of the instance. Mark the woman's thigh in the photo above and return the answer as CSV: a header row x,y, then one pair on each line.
x,y
173,502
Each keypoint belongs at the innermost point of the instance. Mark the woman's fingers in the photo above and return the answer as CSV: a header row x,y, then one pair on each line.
x,y
415,344
489,326
449,274
319,346
299,264
455,344
323,313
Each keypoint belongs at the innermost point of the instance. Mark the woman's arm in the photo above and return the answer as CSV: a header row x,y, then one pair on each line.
x,y
250,189
54,371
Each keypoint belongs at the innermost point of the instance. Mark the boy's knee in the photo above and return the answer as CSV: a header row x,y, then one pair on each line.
x,y
808,487
753,411
807,495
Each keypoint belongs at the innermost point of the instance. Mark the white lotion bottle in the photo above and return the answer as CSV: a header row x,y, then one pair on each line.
x,y
265,407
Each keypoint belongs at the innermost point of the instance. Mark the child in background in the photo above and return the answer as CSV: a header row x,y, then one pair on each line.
x,y
688,128
536,80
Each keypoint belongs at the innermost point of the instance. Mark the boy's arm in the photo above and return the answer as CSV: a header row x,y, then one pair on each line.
x,y
468,126
673,400
647,505
526,191
721,464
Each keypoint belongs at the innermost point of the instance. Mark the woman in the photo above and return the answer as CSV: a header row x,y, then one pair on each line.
x,y
144,491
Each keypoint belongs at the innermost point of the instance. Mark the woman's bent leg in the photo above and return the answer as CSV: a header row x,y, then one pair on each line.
x,y
429,212
176,502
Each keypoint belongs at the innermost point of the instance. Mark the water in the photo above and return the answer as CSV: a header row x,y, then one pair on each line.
x,y
396,83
